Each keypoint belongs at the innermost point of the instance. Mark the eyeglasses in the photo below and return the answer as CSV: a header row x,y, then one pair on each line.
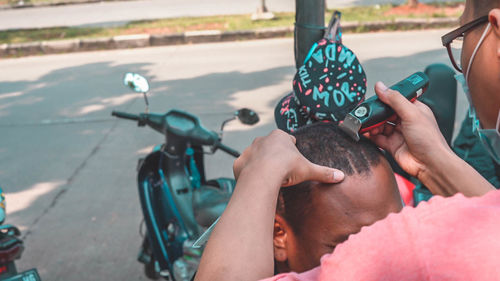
x,y
453,40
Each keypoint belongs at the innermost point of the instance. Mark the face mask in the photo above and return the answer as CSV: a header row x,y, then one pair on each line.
x,y
490,138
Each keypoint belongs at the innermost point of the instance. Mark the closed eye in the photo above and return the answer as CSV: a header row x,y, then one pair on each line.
x,y
334,243
332,247
340,239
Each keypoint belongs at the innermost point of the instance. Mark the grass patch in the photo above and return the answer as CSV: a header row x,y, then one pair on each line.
x,y
33,35
223,23
363,13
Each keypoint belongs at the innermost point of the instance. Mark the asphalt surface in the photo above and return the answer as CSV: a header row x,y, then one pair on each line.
x,y
119,13
68,167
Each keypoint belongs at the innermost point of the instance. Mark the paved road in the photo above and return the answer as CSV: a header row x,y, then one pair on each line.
x,y
118,13
68,168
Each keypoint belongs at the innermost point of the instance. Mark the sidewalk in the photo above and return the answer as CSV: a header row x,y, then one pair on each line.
x,y
202,36
119,13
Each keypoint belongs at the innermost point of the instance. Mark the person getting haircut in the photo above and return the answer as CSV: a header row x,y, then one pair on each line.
x,y
312,218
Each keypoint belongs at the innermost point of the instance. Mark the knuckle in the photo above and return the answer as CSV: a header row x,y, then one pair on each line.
x,y
237,164
427,109
276,132
412,116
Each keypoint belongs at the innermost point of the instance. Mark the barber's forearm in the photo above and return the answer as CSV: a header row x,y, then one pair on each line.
x,y
450,174
240,248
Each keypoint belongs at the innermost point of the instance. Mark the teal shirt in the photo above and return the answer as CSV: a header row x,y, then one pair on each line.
x,y
468,147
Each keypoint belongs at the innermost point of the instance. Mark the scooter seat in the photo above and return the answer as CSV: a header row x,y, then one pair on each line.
x,y
208,204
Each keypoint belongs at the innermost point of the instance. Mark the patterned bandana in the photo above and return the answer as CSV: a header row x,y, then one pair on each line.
x,y
288,116
329,84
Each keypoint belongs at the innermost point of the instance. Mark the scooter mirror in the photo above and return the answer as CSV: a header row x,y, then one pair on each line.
x,y
136,82
247,116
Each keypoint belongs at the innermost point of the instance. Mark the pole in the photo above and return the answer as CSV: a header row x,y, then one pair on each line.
x,y
263,6
309,26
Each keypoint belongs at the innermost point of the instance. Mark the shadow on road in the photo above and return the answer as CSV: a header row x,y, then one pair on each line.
x,y
54,125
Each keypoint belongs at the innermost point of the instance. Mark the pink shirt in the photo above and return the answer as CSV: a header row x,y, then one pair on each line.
x,y
453,238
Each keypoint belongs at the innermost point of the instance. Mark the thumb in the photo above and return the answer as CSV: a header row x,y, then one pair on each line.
x,y
314,172
323,174
402,106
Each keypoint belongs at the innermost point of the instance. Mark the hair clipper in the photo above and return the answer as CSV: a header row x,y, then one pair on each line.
x,y
373,112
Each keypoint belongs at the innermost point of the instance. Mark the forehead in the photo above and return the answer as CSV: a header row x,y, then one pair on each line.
x,y
360,200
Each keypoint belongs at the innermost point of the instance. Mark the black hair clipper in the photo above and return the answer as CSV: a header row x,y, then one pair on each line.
x,y
373,112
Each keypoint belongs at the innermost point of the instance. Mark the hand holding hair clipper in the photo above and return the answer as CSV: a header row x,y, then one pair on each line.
x,y
373,113
416,143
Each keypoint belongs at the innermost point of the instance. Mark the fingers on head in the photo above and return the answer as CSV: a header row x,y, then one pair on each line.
x,y
287,182
282,134
277,132
323,174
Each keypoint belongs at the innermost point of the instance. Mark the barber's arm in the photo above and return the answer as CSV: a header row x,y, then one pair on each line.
x,y
421,150
241,247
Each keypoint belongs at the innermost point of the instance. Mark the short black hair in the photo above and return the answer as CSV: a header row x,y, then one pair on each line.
x,y
327,145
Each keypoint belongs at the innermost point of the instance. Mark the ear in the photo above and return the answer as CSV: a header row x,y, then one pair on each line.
x,y
281,234
494,19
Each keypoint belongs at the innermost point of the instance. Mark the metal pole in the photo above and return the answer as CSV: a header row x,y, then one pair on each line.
x,y
309,19
263,6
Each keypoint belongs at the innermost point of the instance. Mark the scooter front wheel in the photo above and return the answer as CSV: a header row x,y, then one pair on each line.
x,y
146,257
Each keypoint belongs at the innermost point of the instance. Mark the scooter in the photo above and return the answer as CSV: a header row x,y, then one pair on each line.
x,y
178,202
11,249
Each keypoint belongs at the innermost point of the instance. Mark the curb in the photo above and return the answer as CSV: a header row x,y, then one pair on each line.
x,y
204,36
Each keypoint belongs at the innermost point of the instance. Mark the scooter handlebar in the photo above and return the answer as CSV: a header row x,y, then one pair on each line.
x,y
228,150
125,115
142,118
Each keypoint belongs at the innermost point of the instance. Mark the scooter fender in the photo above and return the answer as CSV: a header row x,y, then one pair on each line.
x,y
166,202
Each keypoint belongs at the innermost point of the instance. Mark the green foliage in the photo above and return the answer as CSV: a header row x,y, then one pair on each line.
x,y
364,13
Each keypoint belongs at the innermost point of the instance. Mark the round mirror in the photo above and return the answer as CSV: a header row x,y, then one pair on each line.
x,y
247,116
136,82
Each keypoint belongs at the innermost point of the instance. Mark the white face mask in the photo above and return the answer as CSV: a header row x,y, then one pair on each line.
x,y
490,138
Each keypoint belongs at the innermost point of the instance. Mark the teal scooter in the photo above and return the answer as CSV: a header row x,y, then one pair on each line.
x,y
178,202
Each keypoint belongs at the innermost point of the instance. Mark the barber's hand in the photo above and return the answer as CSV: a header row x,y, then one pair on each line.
x,y
415,141
277,156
